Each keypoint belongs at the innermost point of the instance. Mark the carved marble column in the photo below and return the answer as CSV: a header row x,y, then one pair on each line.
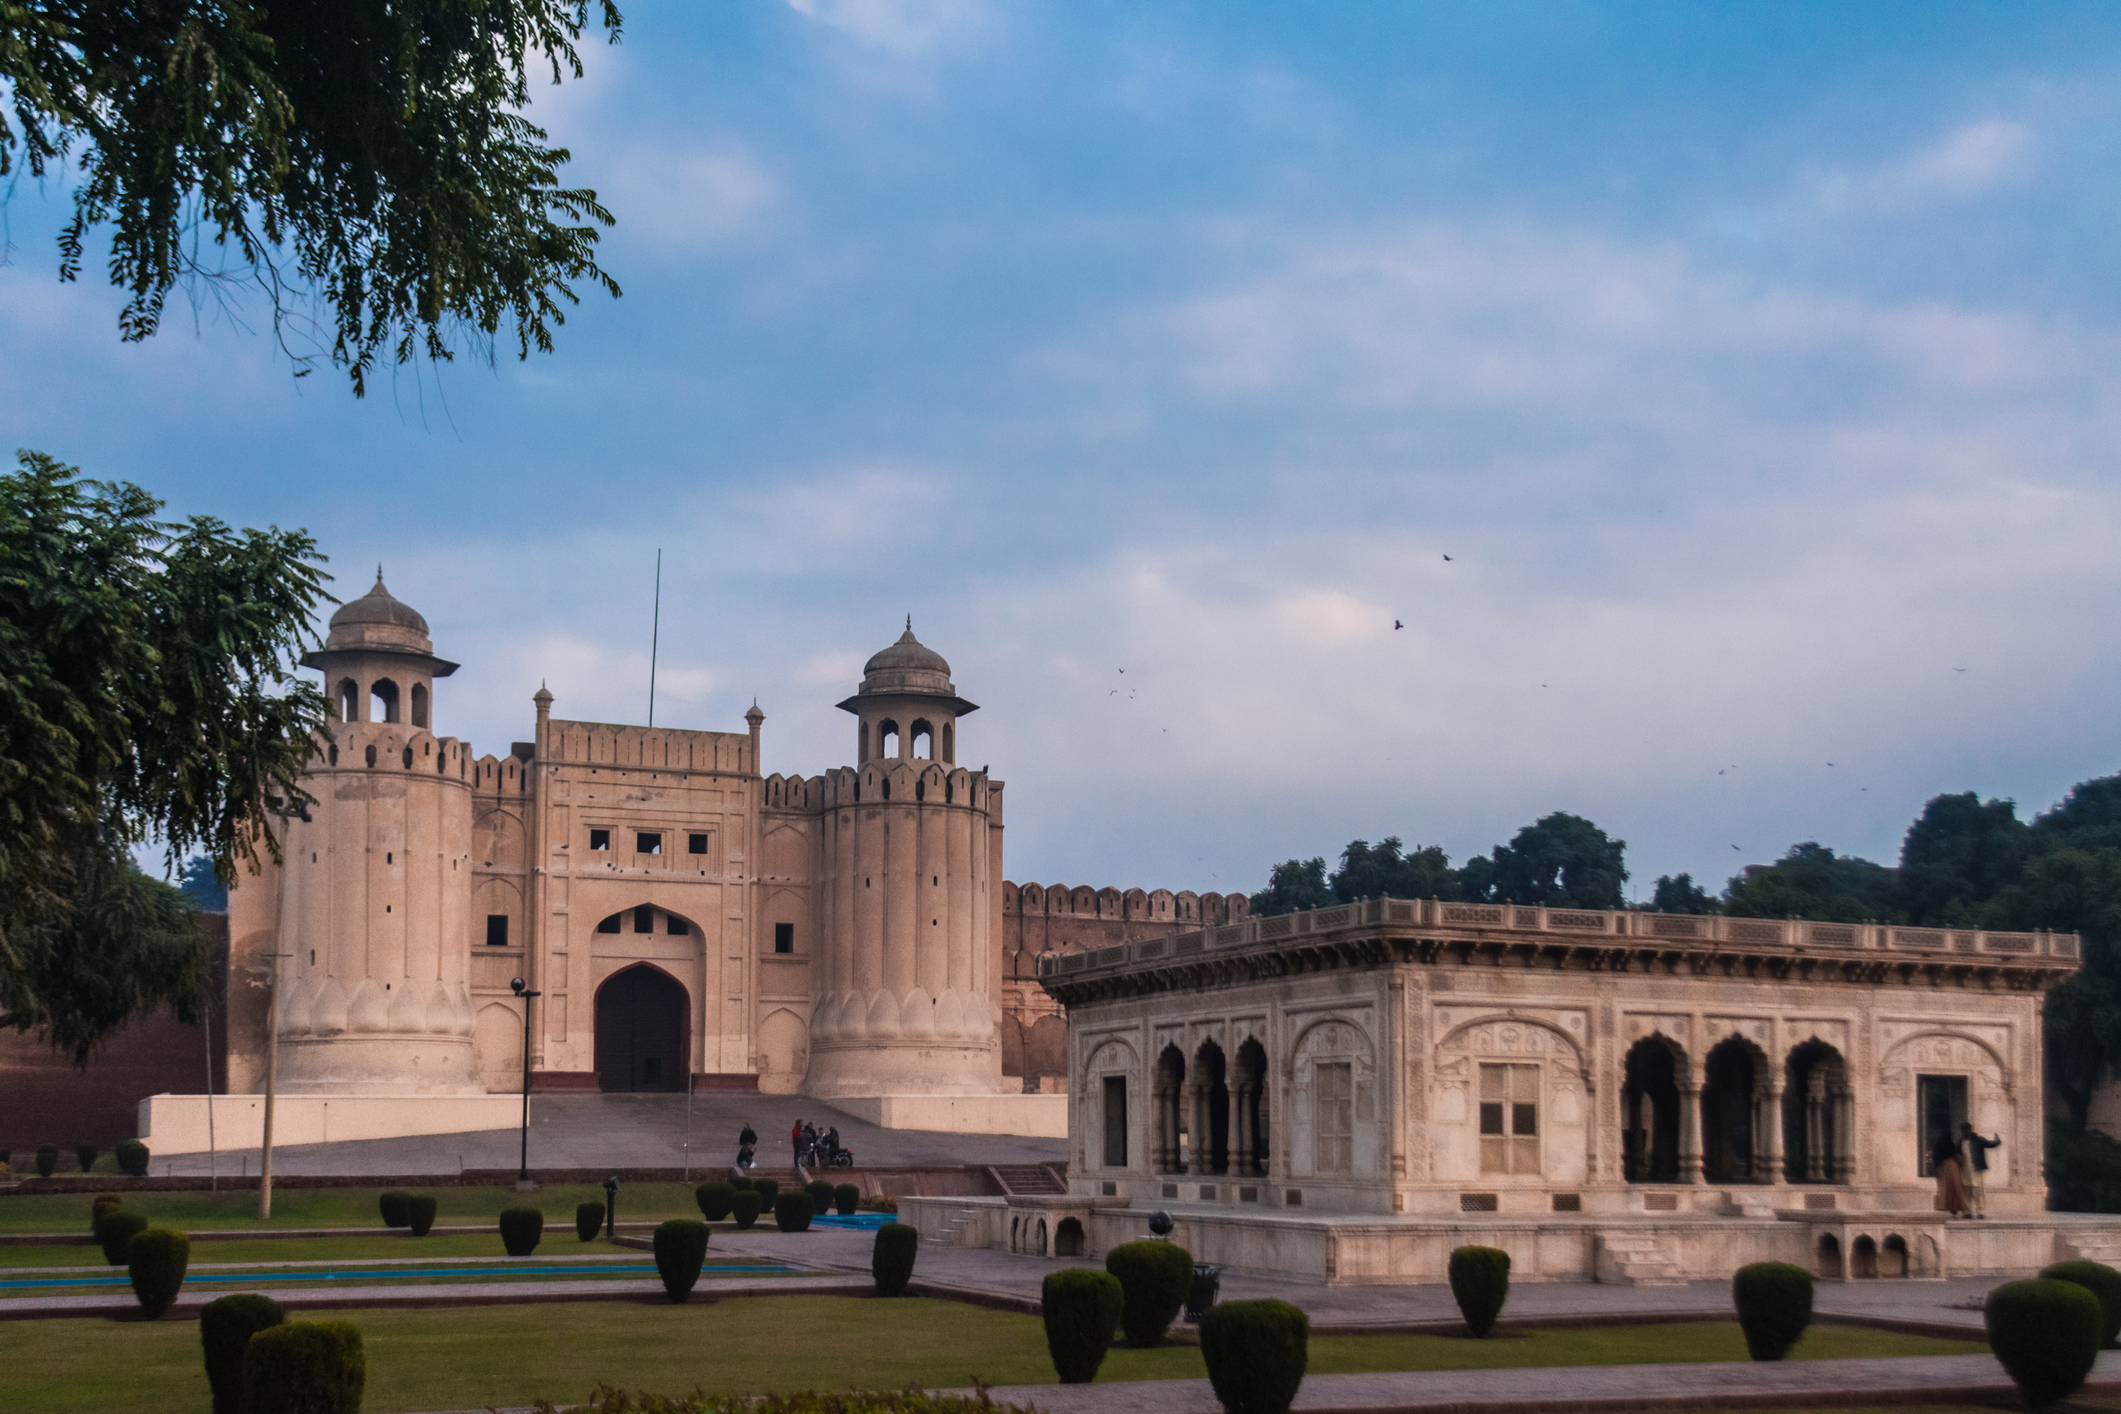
x,y
1767,1143
1241,1129
1690,1134
1815,1167
1197,1131
1843,1163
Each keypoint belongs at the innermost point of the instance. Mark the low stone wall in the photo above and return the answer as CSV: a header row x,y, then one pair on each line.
x,y
1398,1251
177,1124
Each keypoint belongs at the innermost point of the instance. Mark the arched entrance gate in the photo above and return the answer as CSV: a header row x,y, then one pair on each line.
x,y
641,1014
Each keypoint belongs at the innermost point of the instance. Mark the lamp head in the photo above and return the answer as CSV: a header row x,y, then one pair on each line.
x,y
517,983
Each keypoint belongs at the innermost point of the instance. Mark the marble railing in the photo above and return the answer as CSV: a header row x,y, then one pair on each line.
x,y
1561,925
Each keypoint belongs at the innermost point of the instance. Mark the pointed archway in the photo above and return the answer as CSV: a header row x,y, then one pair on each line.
x,y
641,1015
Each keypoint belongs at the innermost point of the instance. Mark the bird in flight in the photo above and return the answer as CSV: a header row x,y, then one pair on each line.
x,y
1958,670
1447,559
1735,847
1397,624
1123,670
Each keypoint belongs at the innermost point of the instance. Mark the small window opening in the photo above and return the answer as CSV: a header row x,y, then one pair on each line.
x,y
695,844
334,753
887,738
923,741
600,839
408,757
611,924
675,926
784,937
349,700
371,756
644,919
648,842
419,704
497,930
384,692
390,857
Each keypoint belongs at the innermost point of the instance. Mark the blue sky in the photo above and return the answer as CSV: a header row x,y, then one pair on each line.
x,y
1755,366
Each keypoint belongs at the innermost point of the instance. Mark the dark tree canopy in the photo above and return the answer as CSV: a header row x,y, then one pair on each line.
x,y
1561,860
1678,893
1959,853
145,695
369,155
1294,884
1386,870
1811,881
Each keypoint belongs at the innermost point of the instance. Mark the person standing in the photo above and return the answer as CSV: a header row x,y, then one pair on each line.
x,y
795,1143
1951,1188
1973,1150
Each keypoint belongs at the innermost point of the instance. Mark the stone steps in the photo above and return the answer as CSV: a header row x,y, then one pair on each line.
x,y
1634,1259
1028,1178
2089,1247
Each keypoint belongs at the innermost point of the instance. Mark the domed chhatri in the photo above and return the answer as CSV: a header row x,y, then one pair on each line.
x,y
379,619
907,665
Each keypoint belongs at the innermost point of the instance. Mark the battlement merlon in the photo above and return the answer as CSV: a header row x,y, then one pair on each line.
x,y
1377,931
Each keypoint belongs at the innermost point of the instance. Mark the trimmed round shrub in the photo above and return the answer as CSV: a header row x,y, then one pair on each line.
x,y
132,1157
891,1260
745,1206
1480,1281
714,1200
792,1212
1081,1305
680,1249
225,1328
1256,1352
156,1261
845,1199
86,1155
420,1212
47,1160
1156,1277
741,1182
820,1192
105,1203
396,1207
2101,1281
521,1229
305,1367
588,1220
115,1230
768,1189
2047,1334
1774,1301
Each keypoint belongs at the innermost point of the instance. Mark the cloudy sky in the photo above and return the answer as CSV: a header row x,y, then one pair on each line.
x,y
1754,367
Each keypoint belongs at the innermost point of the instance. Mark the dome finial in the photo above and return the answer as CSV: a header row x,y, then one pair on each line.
x,y
909,617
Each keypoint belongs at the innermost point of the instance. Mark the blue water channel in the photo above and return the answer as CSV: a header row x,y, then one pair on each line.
x,y
371,1274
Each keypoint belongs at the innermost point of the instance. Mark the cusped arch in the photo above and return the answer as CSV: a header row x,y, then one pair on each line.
x,y
1113,1051
1459,1037
2003,1067
1323,1031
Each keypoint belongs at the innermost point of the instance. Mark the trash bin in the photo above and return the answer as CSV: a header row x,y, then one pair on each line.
x,y
1207,1276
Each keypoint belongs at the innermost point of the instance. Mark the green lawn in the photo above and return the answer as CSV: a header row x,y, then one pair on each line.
x,y
340,1207
640,1267
516,1355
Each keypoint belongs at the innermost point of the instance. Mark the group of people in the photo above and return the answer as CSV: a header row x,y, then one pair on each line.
x,y
813,1147
1962,1171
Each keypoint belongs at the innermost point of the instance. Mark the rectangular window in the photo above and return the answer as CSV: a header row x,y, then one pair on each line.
x,y
644,919
675,925
1509,1119
1334,1132
1940,1109
784,937
1115,1121
497,930
695,844
648,842
600,839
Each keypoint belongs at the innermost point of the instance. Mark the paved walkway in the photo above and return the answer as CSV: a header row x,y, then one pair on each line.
x,y
1595,1389
630,1131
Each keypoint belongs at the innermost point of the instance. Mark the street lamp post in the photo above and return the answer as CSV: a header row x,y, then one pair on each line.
x,y
523,1183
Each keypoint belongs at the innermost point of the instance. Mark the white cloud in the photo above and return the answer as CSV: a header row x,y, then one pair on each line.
x,y
907,28
689,199
1965,164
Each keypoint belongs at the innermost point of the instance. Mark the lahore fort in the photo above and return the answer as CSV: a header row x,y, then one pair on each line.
x,y
1343,1094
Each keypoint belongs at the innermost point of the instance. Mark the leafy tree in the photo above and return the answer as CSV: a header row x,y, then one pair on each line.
x,y
2075,890
372,152
1561,860
1811,881
196,880
1294,884
1678,893
1959,854
143,695
1386,870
